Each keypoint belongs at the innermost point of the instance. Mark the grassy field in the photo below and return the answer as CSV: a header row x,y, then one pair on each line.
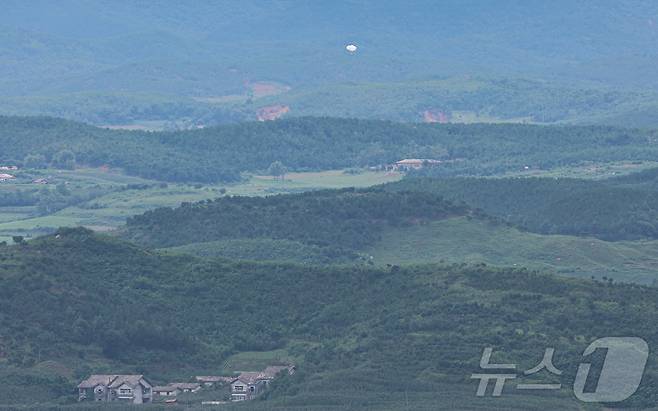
x,y
461,239
592,171
121,196
126,196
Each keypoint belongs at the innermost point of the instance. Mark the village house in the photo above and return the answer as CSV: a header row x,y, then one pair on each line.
x,y
133,389
5,177
165,391
172,390
8,168
247,386
413,164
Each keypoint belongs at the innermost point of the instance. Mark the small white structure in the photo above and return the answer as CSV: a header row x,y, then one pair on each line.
x,y
5,177
165,391
414,164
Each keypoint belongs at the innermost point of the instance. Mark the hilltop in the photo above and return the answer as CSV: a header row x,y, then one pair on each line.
x,y
468,99
347,326
616,208
347,219
418,221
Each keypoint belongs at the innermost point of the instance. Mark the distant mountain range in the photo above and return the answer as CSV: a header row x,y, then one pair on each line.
x,y
143,51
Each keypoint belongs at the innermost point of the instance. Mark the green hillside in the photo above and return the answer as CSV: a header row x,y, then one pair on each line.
x,y
347,219
215,187
191,48
472,100
349,328
267,249
134,63
617,208
102,198
447,99
383,225
473,241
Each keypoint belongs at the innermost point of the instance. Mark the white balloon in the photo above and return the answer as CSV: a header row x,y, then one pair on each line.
x,y
351,48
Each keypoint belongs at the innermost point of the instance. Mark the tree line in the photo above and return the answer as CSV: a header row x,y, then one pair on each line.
x,y
223,153
618,208
346,219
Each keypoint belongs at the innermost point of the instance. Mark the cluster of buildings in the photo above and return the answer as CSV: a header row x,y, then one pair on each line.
x,y
4,176
107,388
136,389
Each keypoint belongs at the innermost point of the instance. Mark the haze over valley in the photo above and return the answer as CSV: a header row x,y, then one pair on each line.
x,y
328,206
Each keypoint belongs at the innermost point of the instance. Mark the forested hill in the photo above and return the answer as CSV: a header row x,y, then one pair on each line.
x,y
135,63
222,153
210,48
618,208
346,219
355,332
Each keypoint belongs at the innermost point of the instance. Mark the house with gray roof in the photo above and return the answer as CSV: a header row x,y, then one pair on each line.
x,y
165,391
134,389
247,386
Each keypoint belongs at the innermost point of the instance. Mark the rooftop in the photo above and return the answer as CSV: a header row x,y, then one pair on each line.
x,y
97,379
164,388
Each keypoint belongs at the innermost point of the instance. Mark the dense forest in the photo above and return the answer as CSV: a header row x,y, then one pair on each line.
x,y
190,49
346,219
447,99
355,325
470,100
222,153
617,208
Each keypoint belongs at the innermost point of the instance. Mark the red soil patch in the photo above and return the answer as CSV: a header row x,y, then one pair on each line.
x,y
435,116
272,112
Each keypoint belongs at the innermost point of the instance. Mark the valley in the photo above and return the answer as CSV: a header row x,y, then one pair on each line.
x,y
280,205
121,196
